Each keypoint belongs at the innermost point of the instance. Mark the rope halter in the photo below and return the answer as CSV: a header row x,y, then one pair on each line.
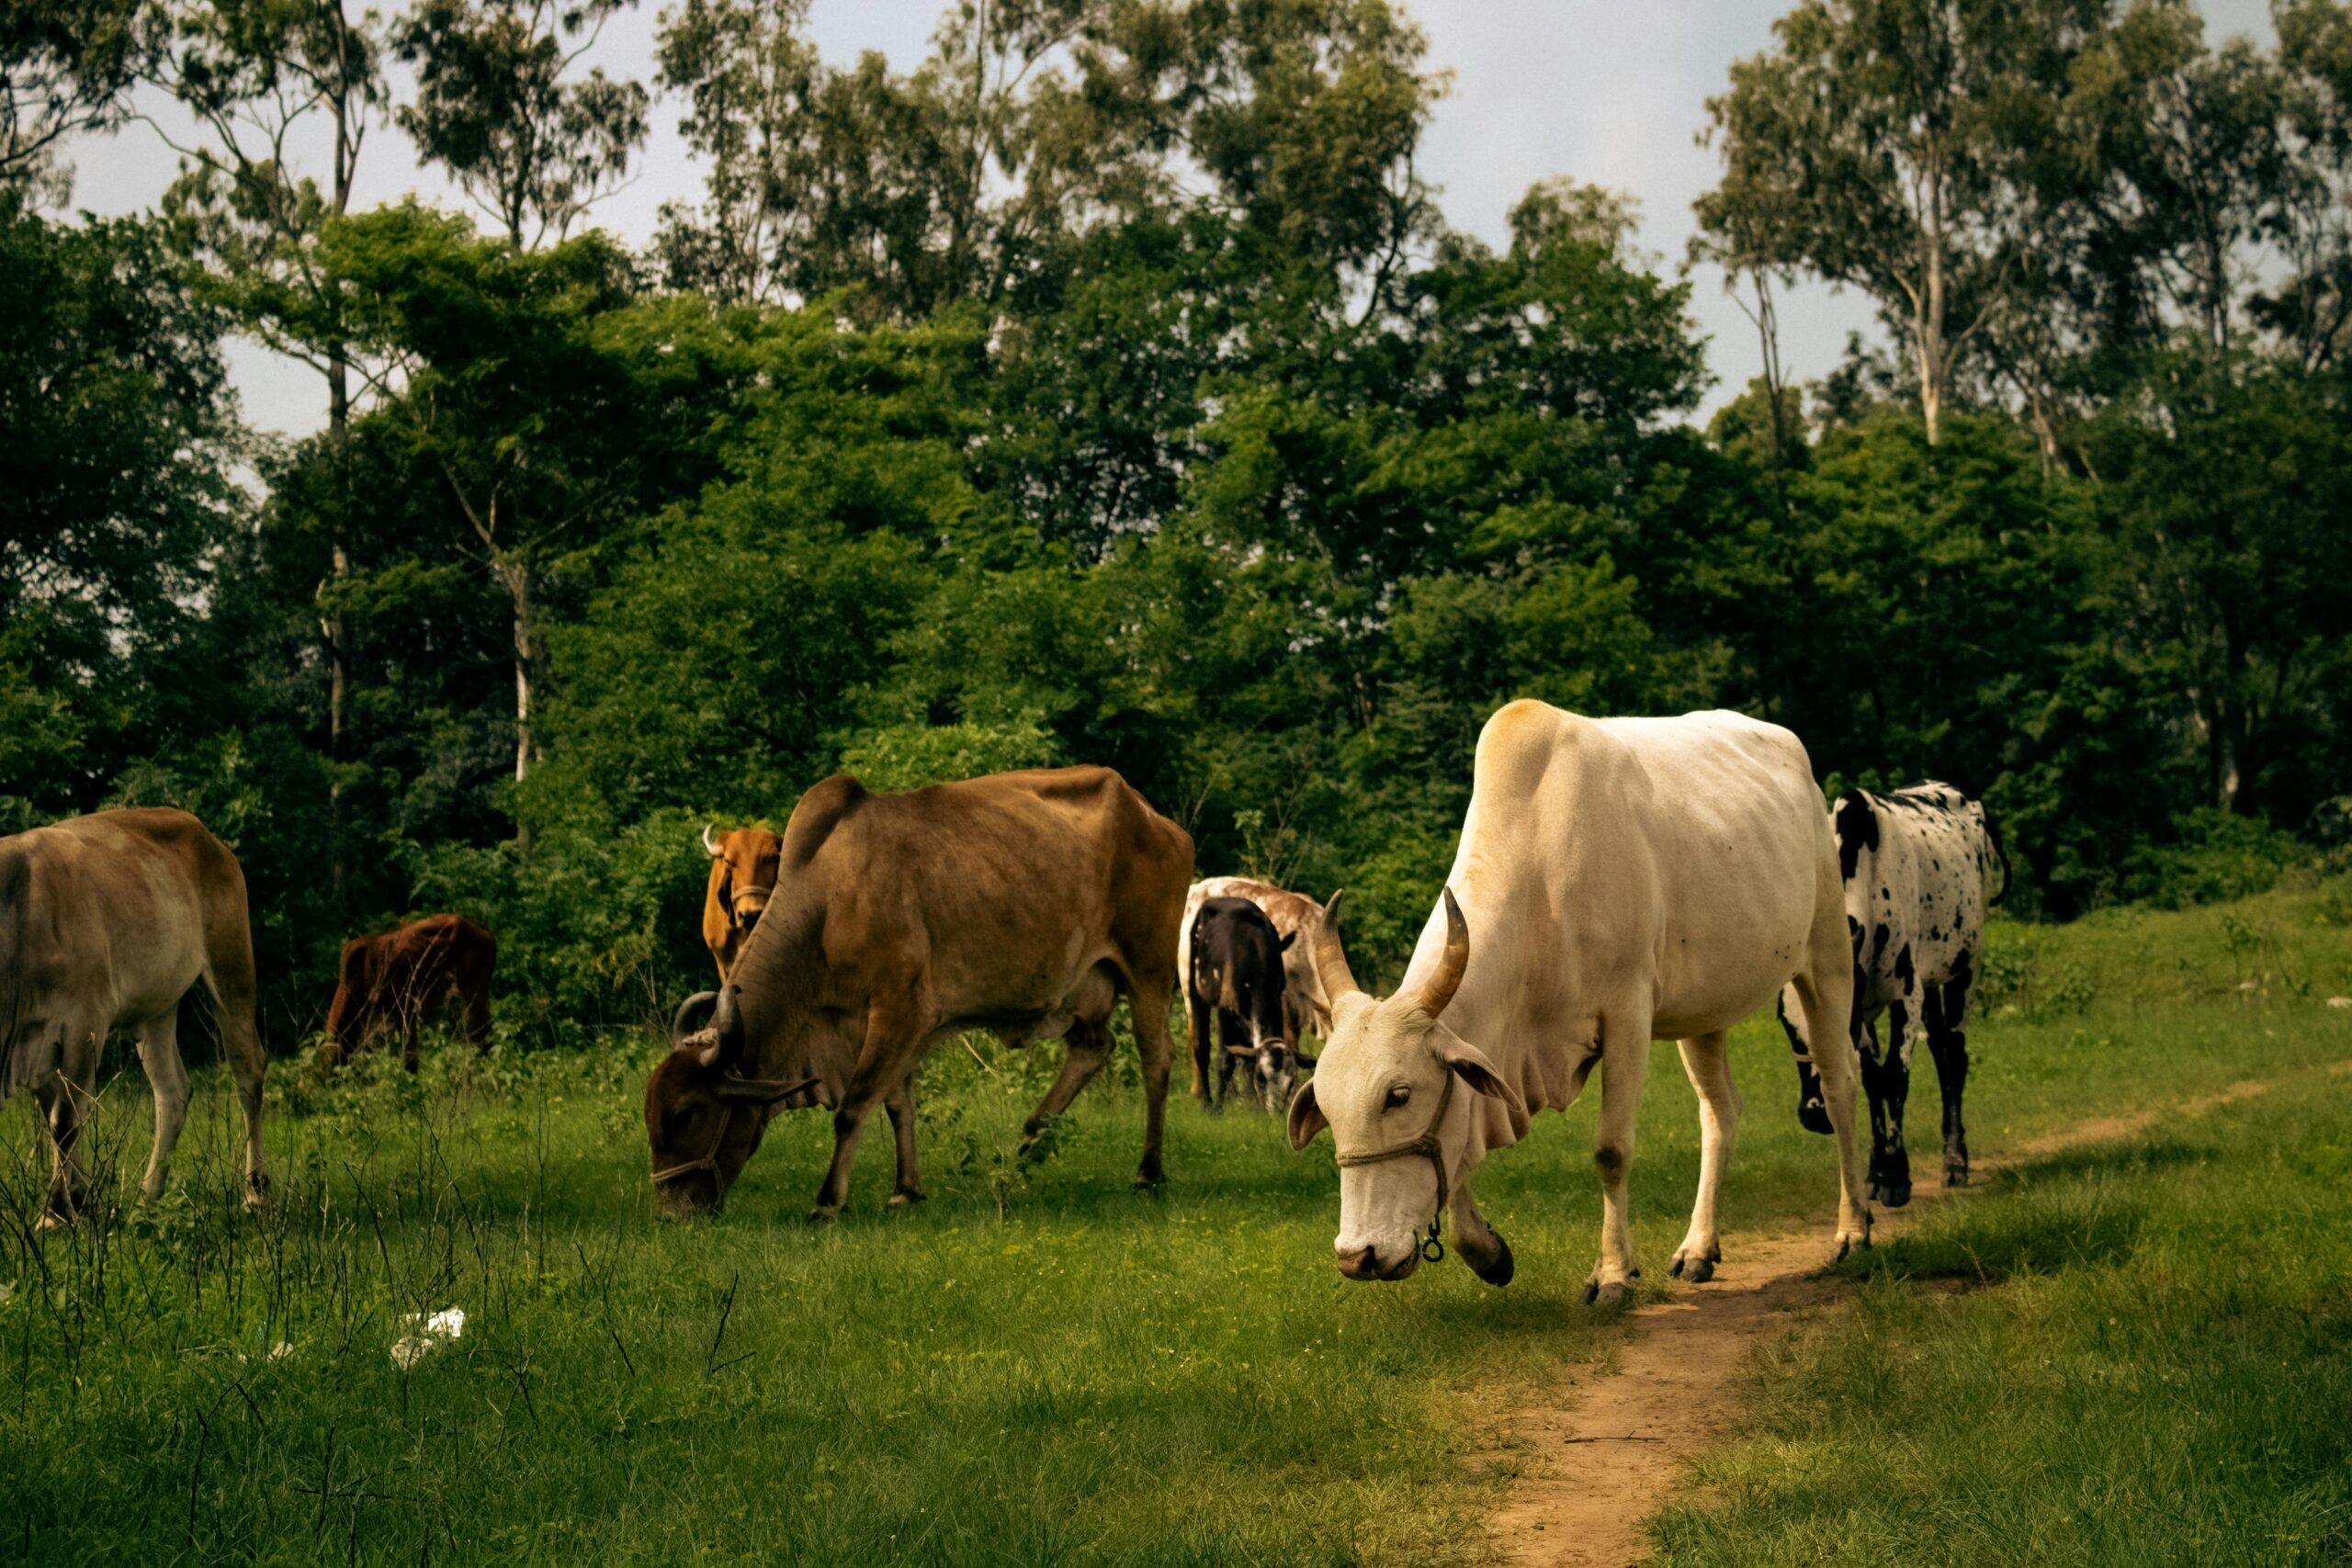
x,y
709,1161
1432,1250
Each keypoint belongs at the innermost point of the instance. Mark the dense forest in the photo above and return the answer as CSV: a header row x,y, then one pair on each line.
x,y
1112,388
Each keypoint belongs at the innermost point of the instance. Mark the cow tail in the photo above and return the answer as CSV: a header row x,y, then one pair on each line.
x,y
1993,832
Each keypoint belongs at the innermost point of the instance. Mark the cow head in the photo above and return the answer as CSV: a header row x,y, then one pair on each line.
x,y
1386,1087
1274,1057
744,866
703,1116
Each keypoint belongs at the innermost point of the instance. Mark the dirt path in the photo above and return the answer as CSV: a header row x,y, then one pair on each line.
x,y
1609,1452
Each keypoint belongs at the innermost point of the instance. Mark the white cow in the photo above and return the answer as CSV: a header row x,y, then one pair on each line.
x,y
1619,880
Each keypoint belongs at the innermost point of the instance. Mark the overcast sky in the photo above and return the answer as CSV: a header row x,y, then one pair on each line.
x,y
1611,92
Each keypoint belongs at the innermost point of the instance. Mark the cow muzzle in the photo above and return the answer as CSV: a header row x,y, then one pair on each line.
x,y
1373,1262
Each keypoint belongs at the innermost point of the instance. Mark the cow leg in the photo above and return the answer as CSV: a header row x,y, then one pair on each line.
x,y
229,979
478,1019
64,1101
1203,1035
1148,1009
1481,1246
1824,1004
1624,1062
901,1103
1706,1059
1946,1007
884,1064
1888,1079
1087,1047
1230,1031
1813,1114
159,1052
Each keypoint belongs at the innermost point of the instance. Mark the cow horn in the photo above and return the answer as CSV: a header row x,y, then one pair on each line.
x,y
708,846
1439,988
727,1024
700,1002
1330,959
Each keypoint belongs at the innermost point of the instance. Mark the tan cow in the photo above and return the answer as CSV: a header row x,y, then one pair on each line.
x,y
1298,919
1023,903
107,921
742,880
1619,880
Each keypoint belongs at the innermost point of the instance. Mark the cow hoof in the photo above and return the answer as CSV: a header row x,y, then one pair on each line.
x,y
1892,1196
907,1198
1609,1297
1696,1269
824,1213
1496,1269
1813,1115
1956,1176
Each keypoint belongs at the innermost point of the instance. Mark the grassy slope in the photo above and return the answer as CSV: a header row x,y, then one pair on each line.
x,y
2134,1352
1022,1371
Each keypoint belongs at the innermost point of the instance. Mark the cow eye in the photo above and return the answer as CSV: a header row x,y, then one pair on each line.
x,y
1398,1096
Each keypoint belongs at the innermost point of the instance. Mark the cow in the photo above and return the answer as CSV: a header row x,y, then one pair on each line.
x,y
1618,880
396,978
1023,903
742,880
1297,917
108,922
1916,865
1235,975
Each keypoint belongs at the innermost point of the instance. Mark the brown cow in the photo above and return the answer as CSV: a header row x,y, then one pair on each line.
x,y
106,922
742,879
1023,902
391,980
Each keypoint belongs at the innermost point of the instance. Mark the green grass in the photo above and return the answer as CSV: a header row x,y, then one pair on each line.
x,y
1051,1368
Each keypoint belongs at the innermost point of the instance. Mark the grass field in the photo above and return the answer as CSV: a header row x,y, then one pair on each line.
x,y
2149,1361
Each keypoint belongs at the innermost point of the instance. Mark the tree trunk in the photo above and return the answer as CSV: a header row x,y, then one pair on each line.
x,y
1929,315
516,576
333,628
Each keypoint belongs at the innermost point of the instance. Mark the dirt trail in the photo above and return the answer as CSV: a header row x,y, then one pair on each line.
x,y
1610,1451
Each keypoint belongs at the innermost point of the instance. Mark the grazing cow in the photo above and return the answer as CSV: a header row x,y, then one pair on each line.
x,y
1235,972
1023,903
395,978
1298,919
1916,865
1618,880
106,922
742,880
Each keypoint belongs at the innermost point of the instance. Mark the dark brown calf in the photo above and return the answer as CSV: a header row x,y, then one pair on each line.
x,y
395,978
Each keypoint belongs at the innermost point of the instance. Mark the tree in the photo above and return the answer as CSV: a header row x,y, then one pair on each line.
x,y
1865,148
496,107
505,396
252,74
2225,492
66,70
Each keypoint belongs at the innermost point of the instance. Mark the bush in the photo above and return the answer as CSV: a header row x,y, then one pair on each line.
x,y
2218,856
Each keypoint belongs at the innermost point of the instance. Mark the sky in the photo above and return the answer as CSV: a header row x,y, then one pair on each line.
x,y
1609,92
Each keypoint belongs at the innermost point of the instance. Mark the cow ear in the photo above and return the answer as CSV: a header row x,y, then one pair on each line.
x,y
1288,937
1307,1117
1473,1067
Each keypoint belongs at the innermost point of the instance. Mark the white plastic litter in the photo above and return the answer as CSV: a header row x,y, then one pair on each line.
x,y
432,1333
2339,1001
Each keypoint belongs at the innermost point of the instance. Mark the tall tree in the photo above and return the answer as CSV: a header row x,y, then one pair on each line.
x,y
255,74
501,391
1864,148
498,106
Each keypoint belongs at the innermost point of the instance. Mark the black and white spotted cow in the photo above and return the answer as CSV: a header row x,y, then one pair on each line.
x,y
1917,864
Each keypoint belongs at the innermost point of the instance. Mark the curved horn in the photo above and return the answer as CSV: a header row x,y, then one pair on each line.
x,y
679,1026
1439,988
727,1023
1331,958
709,847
